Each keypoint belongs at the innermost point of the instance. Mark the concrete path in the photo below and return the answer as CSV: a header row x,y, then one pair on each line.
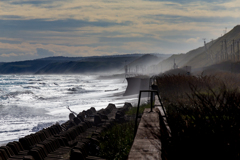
x,y
147,144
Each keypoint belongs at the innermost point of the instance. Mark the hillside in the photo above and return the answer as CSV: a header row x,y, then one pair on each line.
x,y
23,67
219,68
72,65
146,60
217,51
31,66
86,66
181,59
101,64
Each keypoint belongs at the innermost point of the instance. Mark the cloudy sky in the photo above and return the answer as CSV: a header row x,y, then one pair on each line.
x,y
31,29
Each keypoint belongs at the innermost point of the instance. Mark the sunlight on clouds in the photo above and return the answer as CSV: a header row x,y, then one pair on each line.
x,y
118,10
58,50
9,55
151,21
193,40
232,4
10,39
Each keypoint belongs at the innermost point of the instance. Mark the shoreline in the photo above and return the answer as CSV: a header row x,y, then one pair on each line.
x,y
117,97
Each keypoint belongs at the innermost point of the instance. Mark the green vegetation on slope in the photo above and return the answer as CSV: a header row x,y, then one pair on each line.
x,y
133,110
116,142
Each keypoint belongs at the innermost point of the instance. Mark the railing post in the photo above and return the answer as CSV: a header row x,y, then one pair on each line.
x,y
135,129
161,104
151,99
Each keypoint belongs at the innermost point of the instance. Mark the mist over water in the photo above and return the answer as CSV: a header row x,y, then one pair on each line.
x,y
30,102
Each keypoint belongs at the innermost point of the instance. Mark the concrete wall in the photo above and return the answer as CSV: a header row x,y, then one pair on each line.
x,y
135,84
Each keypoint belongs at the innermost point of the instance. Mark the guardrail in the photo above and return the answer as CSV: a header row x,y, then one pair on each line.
x,y
151,101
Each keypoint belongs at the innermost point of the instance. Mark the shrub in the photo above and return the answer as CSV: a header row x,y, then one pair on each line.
x,y
116,142
133,110
204,117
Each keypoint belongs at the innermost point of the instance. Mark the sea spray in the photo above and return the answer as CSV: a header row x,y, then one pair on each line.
x,y
32,102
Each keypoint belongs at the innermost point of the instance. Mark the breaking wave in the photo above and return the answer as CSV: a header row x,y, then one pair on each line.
x,y
15,94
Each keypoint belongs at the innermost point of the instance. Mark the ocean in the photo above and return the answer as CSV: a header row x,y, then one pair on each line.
x,y
29,103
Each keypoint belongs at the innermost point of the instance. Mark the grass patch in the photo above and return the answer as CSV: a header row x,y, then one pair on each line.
x,y
116,142
133,110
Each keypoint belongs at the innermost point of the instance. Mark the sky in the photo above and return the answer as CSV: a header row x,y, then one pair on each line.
x,y
31,29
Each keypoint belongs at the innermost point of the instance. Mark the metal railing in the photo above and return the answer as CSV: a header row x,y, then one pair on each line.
x,y
151,102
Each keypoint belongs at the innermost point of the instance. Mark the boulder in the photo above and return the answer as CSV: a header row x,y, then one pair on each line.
x,y
76,154
97,119
93,109
76,120
71,116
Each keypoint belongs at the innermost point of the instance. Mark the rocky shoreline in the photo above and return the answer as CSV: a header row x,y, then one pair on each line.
x,y
77,138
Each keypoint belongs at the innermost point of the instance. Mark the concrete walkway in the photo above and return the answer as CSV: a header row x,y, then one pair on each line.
x,y
147,144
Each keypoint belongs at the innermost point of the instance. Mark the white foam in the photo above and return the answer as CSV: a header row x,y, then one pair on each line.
x,y
27,101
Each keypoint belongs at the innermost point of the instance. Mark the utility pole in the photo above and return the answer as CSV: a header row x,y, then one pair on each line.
x,y
222,55
217,57
214,58
233,49
226,52
205,45
174,65
204,40
126,69
238,48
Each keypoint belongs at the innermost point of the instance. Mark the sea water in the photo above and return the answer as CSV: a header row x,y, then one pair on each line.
x,y
29,103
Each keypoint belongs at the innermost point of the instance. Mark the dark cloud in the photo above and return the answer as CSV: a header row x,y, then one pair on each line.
x,y
10,41
44,53
19,55
187,19
190,1
16,58
126,39
10,17
6,55
31,2
56,25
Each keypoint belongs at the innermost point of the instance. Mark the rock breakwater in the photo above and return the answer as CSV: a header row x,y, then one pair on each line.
x,y
77,138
